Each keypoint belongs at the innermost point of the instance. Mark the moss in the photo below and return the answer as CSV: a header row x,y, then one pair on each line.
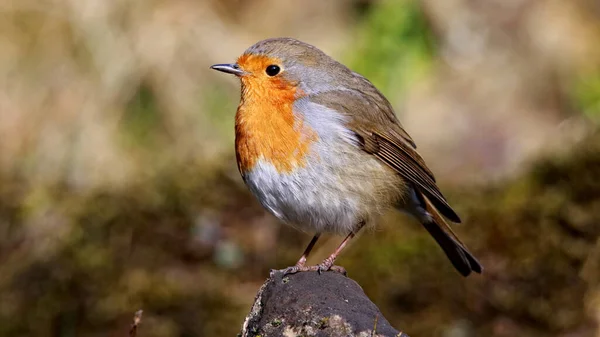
x,y
323,323
534,236
106,255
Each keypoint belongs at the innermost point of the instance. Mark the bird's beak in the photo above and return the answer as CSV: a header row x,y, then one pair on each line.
x,y
232,68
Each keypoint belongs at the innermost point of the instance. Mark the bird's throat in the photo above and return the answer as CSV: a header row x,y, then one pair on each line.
x,y
266,128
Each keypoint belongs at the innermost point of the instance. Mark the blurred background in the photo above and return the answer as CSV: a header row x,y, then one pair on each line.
x,y
119,189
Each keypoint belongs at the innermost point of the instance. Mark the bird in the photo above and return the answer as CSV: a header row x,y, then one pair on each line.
x,y
321,149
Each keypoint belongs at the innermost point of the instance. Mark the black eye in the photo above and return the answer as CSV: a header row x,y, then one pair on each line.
x,y
273,70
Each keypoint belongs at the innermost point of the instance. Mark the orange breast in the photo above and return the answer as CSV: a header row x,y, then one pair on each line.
x,y
265,126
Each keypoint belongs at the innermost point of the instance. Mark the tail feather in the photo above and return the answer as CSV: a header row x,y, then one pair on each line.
x,y
456,251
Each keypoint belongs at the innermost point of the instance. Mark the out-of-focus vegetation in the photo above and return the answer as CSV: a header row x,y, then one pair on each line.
x,y
587,95
119,189
395,46
538,237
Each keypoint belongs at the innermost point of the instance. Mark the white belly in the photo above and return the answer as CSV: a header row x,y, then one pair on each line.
x,y
333,192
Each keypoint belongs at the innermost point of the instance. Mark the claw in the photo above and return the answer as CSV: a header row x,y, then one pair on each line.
x,y
290,270
328,265
320,268
325,265
297,269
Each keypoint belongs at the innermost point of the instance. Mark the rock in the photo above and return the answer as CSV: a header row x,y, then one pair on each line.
x,y
309,304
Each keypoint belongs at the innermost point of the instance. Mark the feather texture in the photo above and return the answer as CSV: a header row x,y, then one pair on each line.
x,y
372,118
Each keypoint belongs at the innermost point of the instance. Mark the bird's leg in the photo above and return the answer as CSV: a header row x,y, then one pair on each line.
x,y
300,265
310,246
327,264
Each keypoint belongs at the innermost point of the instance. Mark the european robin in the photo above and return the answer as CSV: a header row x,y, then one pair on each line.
x,y
321,149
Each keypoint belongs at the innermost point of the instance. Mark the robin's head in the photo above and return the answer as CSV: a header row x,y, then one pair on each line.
x,y
284,64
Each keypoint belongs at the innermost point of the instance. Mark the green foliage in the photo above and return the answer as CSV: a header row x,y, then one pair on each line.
x,y
141,121
586,94
536,237
220,106
80,264
395,45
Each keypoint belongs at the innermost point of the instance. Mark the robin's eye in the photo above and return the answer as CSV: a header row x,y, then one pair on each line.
x,y
273,70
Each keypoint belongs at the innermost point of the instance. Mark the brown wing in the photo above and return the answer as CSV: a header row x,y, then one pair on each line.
x,y
372,118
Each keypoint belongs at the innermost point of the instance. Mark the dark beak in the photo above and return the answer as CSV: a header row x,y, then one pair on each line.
x,y
228,68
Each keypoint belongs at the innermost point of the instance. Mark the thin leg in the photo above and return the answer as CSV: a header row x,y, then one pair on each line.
x,y
310,246
300,265
328,262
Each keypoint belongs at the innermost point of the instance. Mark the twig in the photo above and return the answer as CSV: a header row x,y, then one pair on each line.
x,y
374,332
137,319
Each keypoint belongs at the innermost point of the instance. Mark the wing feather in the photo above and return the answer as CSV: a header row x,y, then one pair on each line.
x,y
371,117
410,168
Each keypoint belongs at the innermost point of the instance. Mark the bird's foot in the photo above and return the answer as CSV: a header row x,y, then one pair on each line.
x,y
324,266
327,264
338,269
296,269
